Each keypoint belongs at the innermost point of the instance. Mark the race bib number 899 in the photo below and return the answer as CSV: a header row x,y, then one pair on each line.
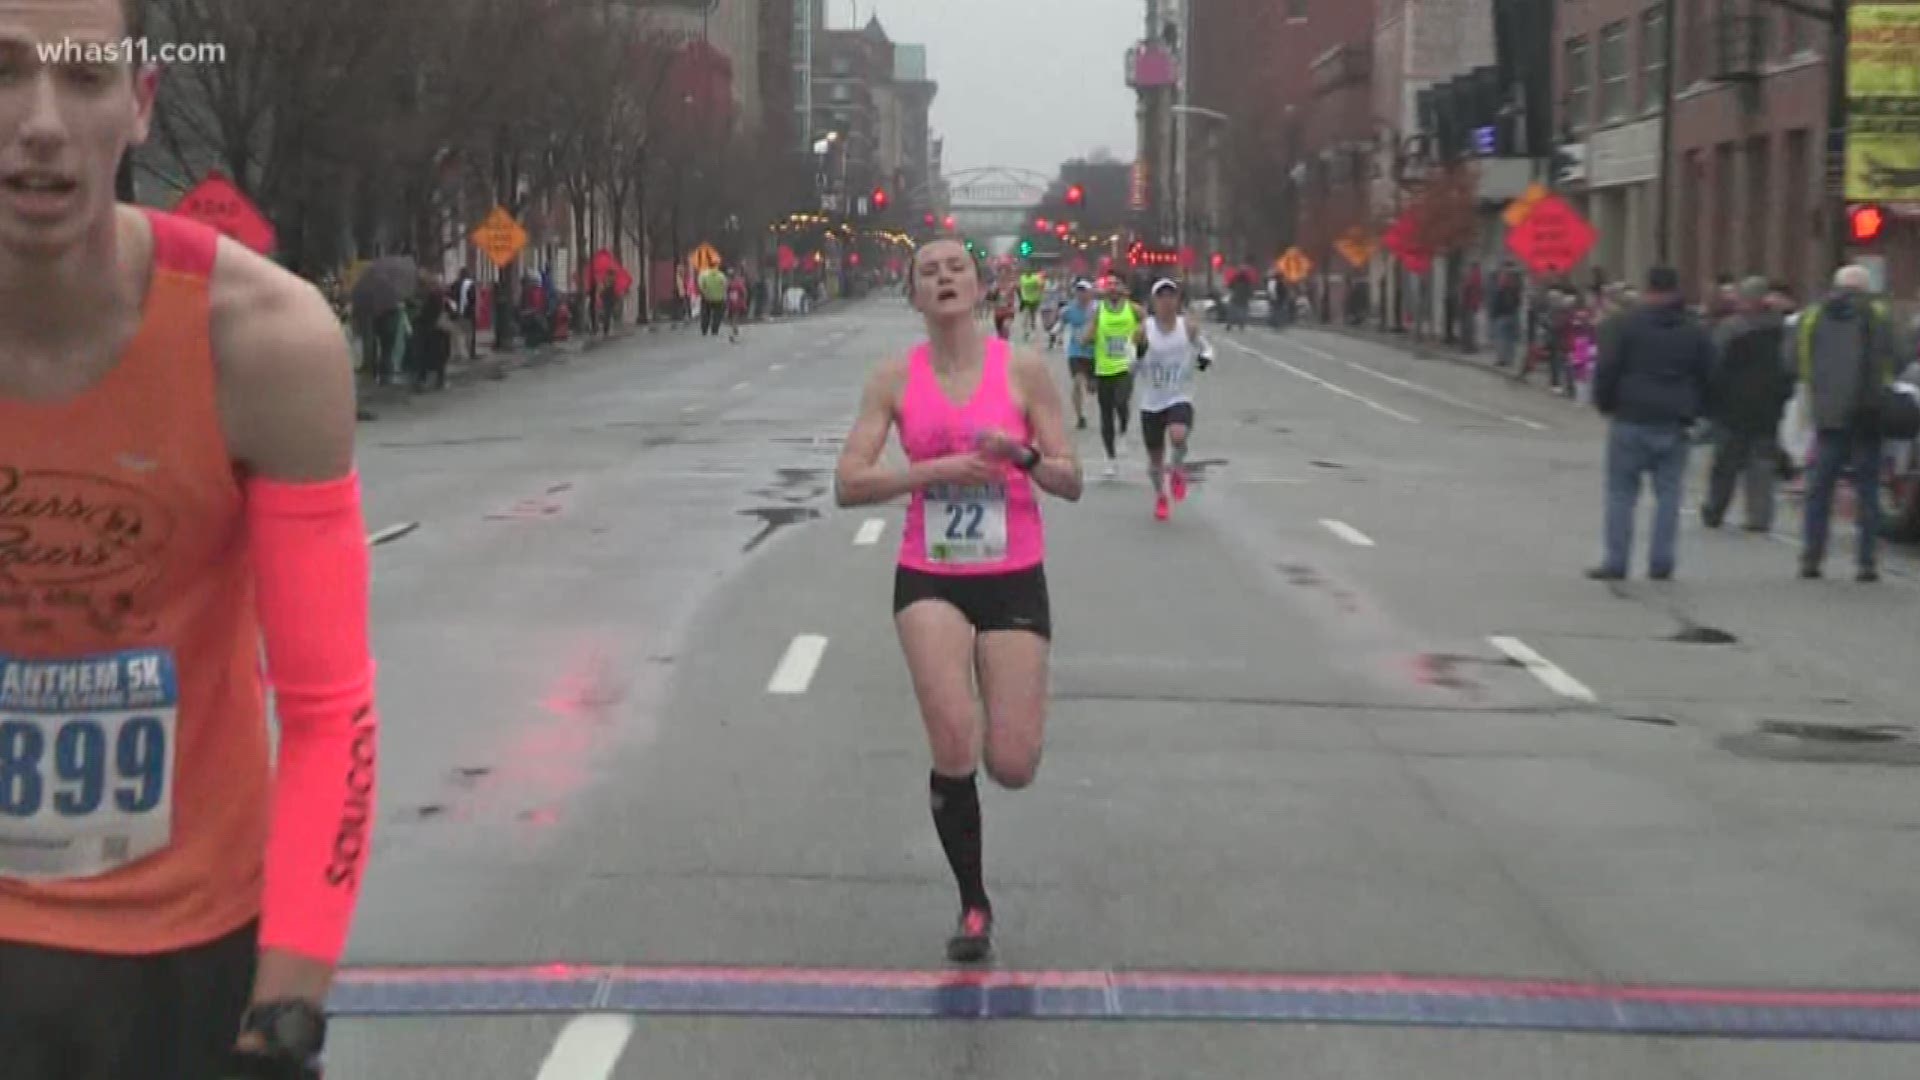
x,y
86,762
966,524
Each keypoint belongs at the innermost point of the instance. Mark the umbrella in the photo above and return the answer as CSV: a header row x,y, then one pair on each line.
x,y
385,284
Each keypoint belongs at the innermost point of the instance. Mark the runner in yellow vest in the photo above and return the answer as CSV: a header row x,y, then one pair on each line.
x,y
1033,287
713,301
1113,331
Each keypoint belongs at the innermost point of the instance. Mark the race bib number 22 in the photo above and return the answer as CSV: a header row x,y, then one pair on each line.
x,y
86,762
966,524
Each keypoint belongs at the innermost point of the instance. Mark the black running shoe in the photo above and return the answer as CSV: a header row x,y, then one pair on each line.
x,y
972,940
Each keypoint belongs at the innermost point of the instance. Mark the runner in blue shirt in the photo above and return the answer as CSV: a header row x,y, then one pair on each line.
x,y
1076,320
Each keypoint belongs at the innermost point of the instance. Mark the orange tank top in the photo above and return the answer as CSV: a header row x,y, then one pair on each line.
x,y
133,744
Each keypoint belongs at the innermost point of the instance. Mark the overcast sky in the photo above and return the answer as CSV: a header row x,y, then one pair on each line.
x,y
1026,83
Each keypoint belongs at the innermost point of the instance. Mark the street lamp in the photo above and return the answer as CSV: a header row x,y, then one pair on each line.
x,y
1213,158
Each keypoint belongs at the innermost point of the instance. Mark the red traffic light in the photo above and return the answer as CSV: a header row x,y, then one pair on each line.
x,y
949,222
1866,223
1076,195
1061,230
854,258
879,198
1042,224
1219,260
929,220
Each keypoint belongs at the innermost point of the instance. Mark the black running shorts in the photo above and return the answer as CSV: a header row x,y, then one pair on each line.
x,y
1012,601
1154,425
68,1015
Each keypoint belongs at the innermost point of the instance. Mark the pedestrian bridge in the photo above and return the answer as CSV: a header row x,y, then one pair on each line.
x,y
995,202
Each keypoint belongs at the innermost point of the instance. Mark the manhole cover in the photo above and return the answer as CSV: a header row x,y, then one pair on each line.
x,y
1833,733
1819,742
1704,635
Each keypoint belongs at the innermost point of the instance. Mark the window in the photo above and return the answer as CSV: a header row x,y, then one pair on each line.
x,y
1297,10
1579,109
840,66
1613,71
1793,33
843,92
1653,58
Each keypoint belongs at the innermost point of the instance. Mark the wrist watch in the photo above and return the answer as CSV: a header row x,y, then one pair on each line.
x,y
1030,458
294,1031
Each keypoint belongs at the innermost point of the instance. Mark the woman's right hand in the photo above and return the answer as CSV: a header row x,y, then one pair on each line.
x,y
967,469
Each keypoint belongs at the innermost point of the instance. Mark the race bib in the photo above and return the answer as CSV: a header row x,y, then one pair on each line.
x,y
1117,346
966,524
86,762
1162,376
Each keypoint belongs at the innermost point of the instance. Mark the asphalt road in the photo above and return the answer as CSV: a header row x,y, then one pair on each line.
x,y
1352,711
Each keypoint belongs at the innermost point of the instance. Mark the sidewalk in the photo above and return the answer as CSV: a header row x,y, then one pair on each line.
x,y
489,366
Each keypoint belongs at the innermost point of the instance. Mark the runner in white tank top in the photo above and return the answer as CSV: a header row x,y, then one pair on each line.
x,y
1175,352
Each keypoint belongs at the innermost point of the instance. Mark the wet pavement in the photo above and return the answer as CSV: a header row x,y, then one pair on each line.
x,y
1352,711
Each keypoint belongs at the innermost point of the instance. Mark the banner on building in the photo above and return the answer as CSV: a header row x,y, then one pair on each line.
x,y
1883,102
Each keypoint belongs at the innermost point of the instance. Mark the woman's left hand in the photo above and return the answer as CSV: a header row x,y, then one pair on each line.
x,y
1000,446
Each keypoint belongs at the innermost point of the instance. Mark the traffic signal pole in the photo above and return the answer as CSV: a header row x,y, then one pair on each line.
x,y
1835,172
1663,214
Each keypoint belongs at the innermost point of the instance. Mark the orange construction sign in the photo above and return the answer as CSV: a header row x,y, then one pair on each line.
x,y
1294,265
1355,248
1516,212
499,237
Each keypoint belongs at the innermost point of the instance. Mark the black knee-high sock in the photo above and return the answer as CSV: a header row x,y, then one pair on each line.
x,y
956,817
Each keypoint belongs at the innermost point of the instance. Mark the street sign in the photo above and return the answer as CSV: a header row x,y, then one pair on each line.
x,y
217,203
1294,265
1355,248
1517,210
499,237
704,257
1553,238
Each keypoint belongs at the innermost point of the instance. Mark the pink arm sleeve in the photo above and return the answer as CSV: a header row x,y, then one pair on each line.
x,y
311,573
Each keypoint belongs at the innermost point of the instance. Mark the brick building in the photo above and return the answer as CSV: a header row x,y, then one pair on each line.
x,y
1749,131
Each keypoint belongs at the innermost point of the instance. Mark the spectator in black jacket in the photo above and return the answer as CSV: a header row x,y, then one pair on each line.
x,y
1750,390
1653,383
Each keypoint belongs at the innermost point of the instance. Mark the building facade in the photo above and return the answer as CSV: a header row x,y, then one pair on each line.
x,y
1610,81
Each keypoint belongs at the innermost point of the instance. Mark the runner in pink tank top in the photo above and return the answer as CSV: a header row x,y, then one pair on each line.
x,y
991,528
984,430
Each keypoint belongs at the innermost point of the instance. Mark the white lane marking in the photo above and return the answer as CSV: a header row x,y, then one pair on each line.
x,y
1545,670
1347,532
776,367
742,385
795,671
1438,395
1325,385
689,408
588,1048
870,531
392,532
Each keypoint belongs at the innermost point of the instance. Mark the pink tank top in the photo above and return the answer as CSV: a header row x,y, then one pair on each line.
x,y
994,529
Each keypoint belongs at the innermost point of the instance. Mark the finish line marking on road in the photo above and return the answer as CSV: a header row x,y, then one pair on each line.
x,y
1347,532
1325,385
795,671
1397,1000
870,531
588,1048
1545,670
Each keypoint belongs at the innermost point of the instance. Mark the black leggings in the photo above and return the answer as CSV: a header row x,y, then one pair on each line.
x,y
67,1015
1115,393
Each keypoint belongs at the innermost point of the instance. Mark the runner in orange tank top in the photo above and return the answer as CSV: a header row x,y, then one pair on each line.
x,y
176,491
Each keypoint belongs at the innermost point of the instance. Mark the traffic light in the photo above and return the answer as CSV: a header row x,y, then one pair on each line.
x,y
1026,248
1219,260
1062,230
1865,223
1042,224
879,198
929,220
1076,195
949,222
